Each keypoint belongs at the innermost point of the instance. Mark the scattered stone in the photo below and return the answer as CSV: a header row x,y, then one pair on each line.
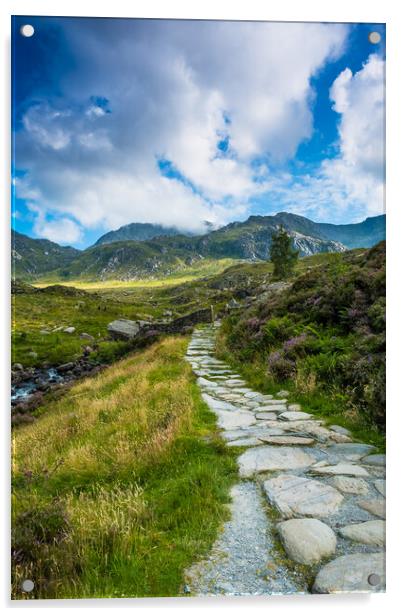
x,y
46,332
375,460
18,367
277,408
294,416
85,336
307,541
287,440
369,533
297,496
33,354
66,367
376,506
69,330
340,430
283,393
270,458
350,485
380,486
350,573
343,469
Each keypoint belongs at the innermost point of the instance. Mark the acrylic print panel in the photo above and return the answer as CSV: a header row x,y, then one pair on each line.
x,y
198,308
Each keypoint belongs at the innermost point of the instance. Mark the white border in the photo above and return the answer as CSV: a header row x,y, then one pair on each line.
x,y
286,10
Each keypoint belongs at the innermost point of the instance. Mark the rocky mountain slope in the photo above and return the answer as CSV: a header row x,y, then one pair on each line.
x,y
30,257
129,260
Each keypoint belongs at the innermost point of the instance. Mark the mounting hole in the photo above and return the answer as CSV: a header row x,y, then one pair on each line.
x,y
373,579
27,585
27,30
374,37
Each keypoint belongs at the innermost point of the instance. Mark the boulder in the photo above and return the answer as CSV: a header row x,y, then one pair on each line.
x,y
351,573
307,541
125,329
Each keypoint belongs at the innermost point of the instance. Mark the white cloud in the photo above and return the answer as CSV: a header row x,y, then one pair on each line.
x,y
172,87
360,167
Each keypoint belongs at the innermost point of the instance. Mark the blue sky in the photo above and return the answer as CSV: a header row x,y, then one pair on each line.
x,y
182,122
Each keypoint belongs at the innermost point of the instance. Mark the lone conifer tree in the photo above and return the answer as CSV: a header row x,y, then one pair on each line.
x,y
283,256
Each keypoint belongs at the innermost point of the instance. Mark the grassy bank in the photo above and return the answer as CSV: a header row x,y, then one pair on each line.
x,y
323,340
115,487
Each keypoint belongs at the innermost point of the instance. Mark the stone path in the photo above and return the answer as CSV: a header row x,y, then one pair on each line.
x,y
308,512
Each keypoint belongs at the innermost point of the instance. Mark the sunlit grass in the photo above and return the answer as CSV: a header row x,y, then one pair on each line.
x,y
116,491
206,267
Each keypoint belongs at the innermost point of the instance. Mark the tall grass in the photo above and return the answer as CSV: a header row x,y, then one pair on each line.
x,y
115,487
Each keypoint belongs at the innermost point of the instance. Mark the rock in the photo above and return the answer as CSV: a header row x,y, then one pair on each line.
x,y
343,469
294,407
69,330
380,486
283,393
271,408
339,438
265,416
44,332
340,430
125,329
18,367
350,485
229,417
297,496
33,354
85,336
287,440
351,573
376,506
250,441
351,450
66,367
270,458
307,541
369,533
375,460
294,416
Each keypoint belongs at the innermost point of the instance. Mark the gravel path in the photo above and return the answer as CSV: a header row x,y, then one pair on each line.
x,y
328,493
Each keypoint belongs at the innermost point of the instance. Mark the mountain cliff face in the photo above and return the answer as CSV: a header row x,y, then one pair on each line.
x,y
130,260
31,257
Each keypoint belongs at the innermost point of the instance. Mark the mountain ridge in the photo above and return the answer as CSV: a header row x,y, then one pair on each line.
x,y
165,254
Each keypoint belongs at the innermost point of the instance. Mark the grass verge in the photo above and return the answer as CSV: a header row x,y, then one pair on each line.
x,y
116,490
